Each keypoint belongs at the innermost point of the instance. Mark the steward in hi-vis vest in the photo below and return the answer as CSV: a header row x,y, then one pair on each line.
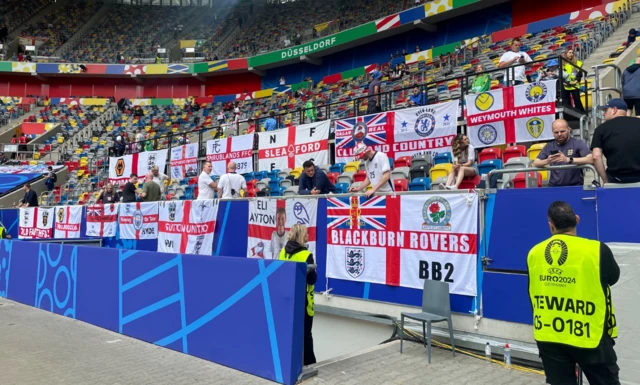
x,y
296,251
573,315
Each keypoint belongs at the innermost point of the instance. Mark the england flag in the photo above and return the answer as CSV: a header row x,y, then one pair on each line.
x,y
68,219
187,227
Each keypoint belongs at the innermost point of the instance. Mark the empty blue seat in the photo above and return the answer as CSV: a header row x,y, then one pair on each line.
x,y
444,157
489,165
277,191
275,182
420,184
338,167
342,188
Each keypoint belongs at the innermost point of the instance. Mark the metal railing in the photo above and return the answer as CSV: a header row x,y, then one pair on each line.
x,y
528,170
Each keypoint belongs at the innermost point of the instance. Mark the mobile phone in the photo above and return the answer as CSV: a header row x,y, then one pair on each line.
x,y
553,152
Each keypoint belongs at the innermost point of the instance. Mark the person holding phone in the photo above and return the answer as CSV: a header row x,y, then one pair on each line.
x,y
564,150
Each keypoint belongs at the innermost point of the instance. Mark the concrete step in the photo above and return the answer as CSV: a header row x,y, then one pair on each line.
x,y
612,43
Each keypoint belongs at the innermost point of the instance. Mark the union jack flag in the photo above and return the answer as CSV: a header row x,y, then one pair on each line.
x,y
94,211
372,129
357,213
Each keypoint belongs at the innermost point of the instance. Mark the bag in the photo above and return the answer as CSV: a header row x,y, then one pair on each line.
x,y
54,177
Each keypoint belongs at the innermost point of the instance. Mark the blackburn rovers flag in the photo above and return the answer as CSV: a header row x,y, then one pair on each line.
x,y
521,113
138,220
420,130
403,240
187,227
68,219
35,223
270,221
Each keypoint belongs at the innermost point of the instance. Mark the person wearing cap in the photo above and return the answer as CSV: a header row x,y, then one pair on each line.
x,y
549,72
631,87
378,171
618,139
374,93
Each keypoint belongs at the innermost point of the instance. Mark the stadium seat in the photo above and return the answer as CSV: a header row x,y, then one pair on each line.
x,y
360,176
444,157
470,183
252,193
535,180
342,188
286,183
419,171
421,160
439,171
265,192
514,151
352,167
296,172
277,191
346,177
400,173
438,183
420,184
274,182
403,161
517,162
400,185
284,173
338,167
290,191
251,183
489,165
534,150
333,177
489,153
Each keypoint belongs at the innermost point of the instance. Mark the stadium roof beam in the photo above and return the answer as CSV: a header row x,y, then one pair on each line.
x,y
136,78
257,71
201,78
311,60
425,26
38,76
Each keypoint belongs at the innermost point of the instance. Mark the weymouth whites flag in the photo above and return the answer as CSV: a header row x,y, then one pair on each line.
x,y
420,130
35,223
102,220
138,220
270,221
184,161
290,147
187,227
68,219
121,167
235,148
521,113
387,240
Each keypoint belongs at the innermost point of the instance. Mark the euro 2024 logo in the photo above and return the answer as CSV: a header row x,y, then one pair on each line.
x,y
436,213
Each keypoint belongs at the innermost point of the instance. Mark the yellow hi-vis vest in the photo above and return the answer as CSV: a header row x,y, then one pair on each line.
x,y
572,71
569,304
301,256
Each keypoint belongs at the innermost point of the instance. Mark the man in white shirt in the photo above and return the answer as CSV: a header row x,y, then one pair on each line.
x,y
159,177
378,171
206,185
230,184
514,57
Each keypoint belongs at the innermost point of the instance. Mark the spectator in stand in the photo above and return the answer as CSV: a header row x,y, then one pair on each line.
x,y
417,98
374,93
30,197
511,58
206,185
108,195
231,184
631,38
150,190
378,171
270,124
564,150
3,158
314,181
282,81
417,48
310,110
139,139
464,156
119,145
159,178
618,139
631,88
22,146
397,55
396,74
482,81
571,77
221,118
129,190
549,71
51,180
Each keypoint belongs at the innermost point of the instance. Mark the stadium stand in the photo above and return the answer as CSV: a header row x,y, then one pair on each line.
x,y
14,13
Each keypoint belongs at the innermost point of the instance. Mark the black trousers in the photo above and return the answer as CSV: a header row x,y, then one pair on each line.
x,y
309,356
599,364
567,95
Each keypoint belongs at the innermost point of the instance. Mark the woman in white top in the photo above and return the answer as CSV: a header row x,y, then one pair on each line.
x,y
463,157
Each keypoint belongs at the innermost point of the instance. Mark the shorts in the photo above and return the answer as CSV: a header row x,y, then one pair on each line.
x,y
633,105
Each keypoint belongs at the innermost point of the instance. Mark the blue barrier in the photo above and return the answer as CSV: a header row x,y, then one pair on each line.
x,y
242,313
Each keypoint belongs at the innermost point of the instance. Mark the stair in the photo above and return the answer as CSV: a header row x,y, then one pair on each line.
x,y
612,43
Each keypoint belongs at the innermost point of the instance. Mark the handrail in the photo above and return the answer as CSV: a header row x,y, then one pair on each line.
x,y
597,90
526,170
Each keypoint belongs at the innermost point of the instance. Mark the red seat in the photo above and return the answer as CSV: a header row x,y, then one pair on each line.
x,y
514,152
519,181
401,185
333,177
489,153
470,183
252,184
360,176
252,193
403,161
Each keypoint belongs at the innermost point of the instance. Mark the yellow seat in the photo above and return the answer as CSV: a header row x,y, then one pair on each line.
x,y
33,163
60,140
36,155
440,170
606,61
296,172
586,103
533,152
352,167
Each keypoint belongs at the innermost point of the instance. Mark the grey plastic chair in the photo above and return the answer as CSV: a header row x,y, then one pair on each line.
x,y
435,308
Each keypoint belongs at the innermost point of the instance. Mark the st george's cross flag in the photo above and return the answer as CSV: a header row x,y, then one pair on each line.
x,y
238,149
388,240
68,219
138,220
35,223
288,148
519,114
102,220
120,168
187,227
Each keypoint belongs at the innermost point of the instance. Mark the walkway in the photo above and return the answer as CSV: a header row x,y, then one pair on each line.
x,y
37,348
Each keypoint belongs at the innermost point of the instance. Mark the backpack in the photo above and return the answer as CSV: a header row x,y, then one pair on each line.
x,y
54,177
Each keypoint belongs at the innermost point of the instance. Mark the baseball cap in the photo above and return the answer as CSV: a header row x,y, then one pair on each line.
x,y
360,150
617,103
